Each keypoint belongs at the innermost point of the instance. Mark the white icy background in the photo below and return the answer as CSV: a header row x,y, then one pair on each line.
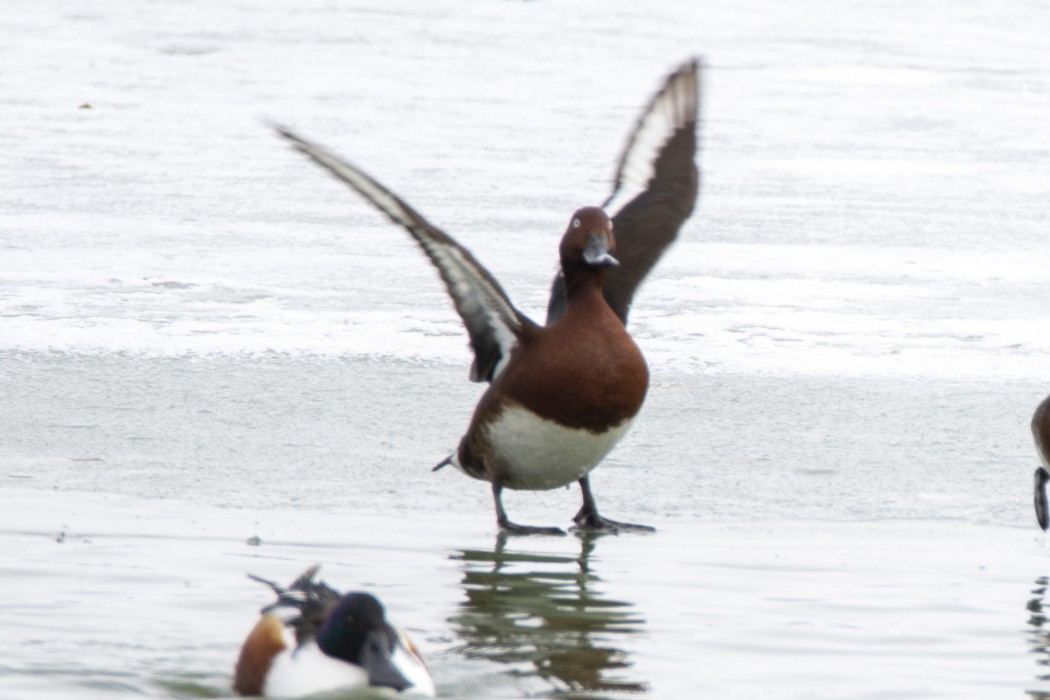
x,y
203,338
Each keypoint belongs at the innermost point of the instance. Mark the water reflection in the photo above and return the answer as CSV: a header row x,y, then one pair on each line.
x,y
543,609
1040,638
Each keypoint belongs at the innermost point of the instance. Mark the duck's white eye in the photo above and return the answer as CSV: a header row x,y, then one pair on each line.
x,y
575,223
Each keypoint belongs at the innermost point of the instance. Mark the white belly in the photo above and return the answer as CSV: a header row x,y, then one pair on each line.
x,y
540,454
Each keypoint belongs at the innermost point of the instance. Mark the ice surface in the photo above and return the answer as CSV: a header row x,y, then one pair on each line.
x,y
870,204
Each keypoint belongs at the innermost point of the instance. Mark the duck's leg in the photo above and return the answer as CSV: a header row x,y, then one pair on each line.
x,y
1042,510
589,519
513,528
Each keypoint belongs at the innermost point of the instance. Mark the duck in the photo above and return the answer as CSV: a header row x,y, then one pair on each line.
x,y
1041,435
327,641
562,394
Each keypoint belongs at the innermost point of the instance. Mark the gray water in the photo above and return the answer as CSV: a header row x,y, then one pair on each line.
x,y
215,361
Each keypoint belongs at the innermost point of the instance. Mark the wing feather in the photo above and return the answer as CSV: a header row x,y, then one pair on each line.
x,y
492,321
654,189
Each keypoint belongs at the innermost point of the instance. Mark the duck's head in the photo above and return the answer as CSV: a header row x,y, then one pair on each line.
x,y
356,631
588,241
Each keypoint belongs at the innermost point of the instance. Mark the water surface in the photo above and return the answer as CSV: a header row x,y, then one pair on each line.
x,y
215,361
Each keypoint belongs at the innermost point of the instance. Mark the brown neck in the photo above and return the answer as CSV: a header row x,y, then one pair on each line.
x,y
581,282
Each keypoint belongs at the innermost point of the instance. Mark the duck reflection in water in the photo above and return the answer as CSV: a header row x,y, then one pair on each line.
x,y
544,609
1039,620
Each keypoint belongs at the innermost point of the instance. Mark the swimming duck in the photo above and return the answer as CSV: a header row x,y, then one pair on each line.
x,y
330,641
563,394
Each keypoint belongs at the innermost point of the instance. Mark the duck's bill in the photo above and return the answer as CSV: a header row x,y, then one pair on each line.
x,y
596,252
378,661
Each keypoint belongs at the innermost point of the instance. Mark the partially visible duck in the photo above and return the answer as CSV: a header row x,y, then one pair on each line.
x,y
1041,435
562,394
327,641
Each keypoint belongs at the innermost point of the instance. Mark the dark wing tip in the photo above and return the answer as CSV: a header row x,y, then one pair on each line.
x,y
283,131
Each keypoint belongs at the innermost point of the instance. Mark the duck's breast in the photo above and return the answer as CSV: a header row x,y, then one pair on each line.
x,y
307,670
539,454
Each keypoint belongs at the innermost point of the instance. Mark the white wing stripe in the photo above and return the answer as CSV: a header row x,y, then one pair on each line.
x,y
671,109
488,314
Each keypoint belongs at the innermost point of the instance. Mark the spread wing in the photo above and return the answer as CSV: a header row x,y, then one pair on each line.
x,y
654,190
492,322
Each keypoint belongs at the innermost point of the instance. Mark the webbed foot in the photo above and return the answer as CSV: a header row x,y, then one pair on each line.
x,y
594,522
515,529
589,520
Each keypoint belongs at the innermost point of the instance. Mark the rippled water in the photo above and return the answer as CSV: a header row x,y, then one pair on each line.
x,y
214,361
858,544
